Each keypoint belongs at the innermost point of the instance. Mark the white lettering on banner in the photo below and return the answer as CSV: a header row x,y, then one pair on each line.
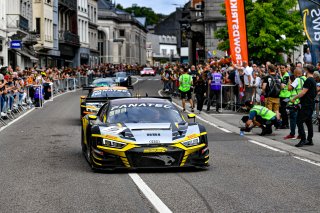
x,y
236,32
316,23
140,105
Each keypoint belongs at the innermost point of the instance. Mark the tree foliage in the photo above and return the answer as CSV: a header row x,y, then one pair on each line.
x,y
151,16
273,27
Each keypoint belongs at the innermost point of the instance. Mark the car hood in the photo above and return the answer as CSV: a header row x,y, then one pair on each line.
x,y
151,133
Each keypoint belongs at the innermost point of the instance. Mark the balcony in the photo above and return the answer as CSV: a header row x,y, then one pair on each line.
x,y
69,38
15,21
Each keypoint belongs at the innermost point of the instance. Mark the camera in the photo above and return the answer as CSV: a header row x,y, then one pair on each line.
x,y
294,107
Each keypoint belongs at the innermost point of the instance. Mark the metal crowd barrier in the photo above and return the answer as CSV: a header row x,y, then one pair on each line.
x,y
227,97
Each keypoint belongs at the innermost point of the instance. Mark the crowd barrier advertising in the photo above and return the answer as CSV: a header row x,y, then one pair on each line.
x,y
236,20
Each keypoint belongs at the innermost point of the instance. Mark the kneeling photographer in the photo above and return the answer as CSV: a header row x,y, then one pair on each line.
x,y
259,116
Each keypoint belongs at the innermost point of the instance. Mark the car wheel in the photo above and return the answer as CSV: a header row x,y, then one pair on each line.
x,y
89,157
83,146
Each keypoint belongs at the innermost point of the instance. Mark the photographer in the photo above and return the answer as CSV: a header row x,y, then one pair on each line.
x,y
307,97
295,88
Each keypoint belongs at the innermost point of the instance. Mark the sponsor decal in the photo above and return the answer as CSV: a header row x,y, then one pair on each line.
x,y
154,141
141,105
237,30
155,150
153,134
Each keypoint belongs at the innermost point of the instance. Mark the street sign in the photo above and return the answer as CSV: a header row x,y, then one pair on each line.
x,y
16,44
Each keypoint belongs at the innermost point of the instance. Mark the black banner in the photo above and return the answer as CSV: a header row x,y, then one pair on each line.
x,y
310,12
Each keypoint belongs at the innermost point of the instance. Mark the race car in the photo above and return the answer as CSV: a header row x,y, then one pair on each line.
x,y
97,96
122,79
103,82
147,71
148,132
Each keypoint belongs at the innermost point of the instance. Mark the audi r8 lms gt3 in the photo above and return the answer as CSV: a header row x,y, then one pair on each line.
x,y
142,133
147,71
98,96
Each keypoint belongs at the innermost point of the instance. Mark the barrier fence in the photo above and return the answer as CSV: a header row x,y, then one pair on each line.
x,y
37,95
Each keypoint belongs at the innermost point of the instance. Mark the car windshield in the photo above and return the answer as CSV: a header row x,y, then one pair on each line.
x,y
103,82
144,113
147,69
121,74
111,93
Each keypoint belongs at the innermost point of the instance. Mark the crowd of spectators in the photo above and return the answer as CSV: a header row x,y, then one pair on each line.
x,y
20,88
270,85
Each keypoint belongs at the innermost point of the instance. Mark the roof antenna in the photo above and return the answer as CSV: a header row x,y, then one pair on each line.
x,y
147,95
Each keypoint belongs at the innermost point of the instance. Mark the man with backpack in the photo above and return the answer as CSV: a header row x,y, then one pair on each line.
x,y
271,88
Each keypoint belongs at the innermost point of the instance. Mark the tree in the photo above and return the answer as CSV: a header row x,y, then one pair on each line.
x,y
273,27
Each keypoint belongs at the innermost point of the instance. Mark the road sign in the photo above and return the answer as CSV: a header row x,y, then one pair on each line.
x,y
16,44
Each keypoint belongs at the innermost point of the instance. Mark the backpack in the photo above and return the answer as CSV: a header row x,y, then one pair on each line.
x,y
274,87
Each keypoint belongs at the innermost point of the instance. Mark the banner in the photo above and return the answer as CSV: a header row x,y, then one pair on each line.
x,y
237,31
310,12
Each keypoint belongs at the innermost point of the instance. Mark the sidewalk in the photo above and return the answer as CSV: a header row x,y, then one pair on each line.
x,y
231,118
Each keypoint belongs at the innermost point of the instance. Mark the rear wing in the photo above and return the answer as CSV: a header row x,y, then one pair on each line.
x,y
88,88
104,100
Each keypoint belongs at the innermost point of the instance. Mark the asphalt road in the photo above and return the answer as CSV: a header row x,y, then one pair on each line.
x,y
43,170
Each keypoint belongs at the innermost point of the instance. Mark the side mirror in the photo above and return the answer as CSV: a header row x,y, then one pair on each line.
x,y
190,116
92,117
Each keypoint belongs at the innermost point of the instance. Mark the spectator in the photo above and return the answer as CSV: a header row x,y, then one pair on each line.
x,y
271,90
307,58
284,94
200,88
248,80
185,82
215,82
307,97
295,88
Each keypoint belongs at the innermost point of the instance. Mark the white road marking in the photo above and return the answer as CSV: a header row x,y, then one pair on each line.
x,y
268,147
205,121
307,160
150,195
136,80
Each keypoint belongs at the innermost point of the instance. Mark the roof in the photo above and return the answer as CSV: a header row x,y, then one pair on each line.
x,y
105,4
141,20
140,100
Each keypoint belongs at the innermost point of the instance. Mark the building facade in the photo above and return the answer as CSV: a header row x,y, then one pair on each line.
x,y
69,41
45,31
3,36
19,24
161,49
122,37
93,32
83,53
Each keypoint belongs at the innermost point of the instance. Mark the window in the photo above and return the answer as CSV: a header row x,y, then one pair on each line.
x,y
38,25
121,32
164,52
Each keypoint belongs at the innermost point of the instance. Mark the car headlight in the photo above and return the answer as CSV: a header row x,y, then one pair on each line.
x,y
113,144
193,142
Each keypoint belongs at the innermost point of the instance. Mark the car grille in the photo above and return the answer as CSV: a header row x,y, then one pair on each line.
x,y
168,159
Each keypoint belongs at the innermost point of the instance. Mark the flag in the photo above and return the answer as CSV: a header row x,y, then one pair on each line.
x,y
237,30
310,12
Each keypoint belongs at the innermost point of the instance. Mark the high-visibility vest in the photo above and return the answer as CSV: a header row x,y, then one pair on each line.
x,y
297,90
185,82
285,93
264,112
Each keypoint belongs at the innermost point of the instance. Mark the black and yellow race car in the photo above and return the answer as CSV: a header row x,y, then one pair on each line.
x,y
142,133
91,103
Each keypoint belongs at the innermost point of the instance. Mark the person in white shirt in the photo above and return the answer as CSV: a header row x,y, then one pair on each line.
x,y
248,81
307,57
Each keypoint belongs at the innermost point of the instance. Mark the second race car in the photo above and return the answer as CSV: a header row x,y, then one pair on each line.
x,y
91,104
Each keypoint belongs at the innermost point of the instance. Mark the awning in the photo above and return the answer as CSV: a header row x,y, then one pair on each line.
x,y
32,58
